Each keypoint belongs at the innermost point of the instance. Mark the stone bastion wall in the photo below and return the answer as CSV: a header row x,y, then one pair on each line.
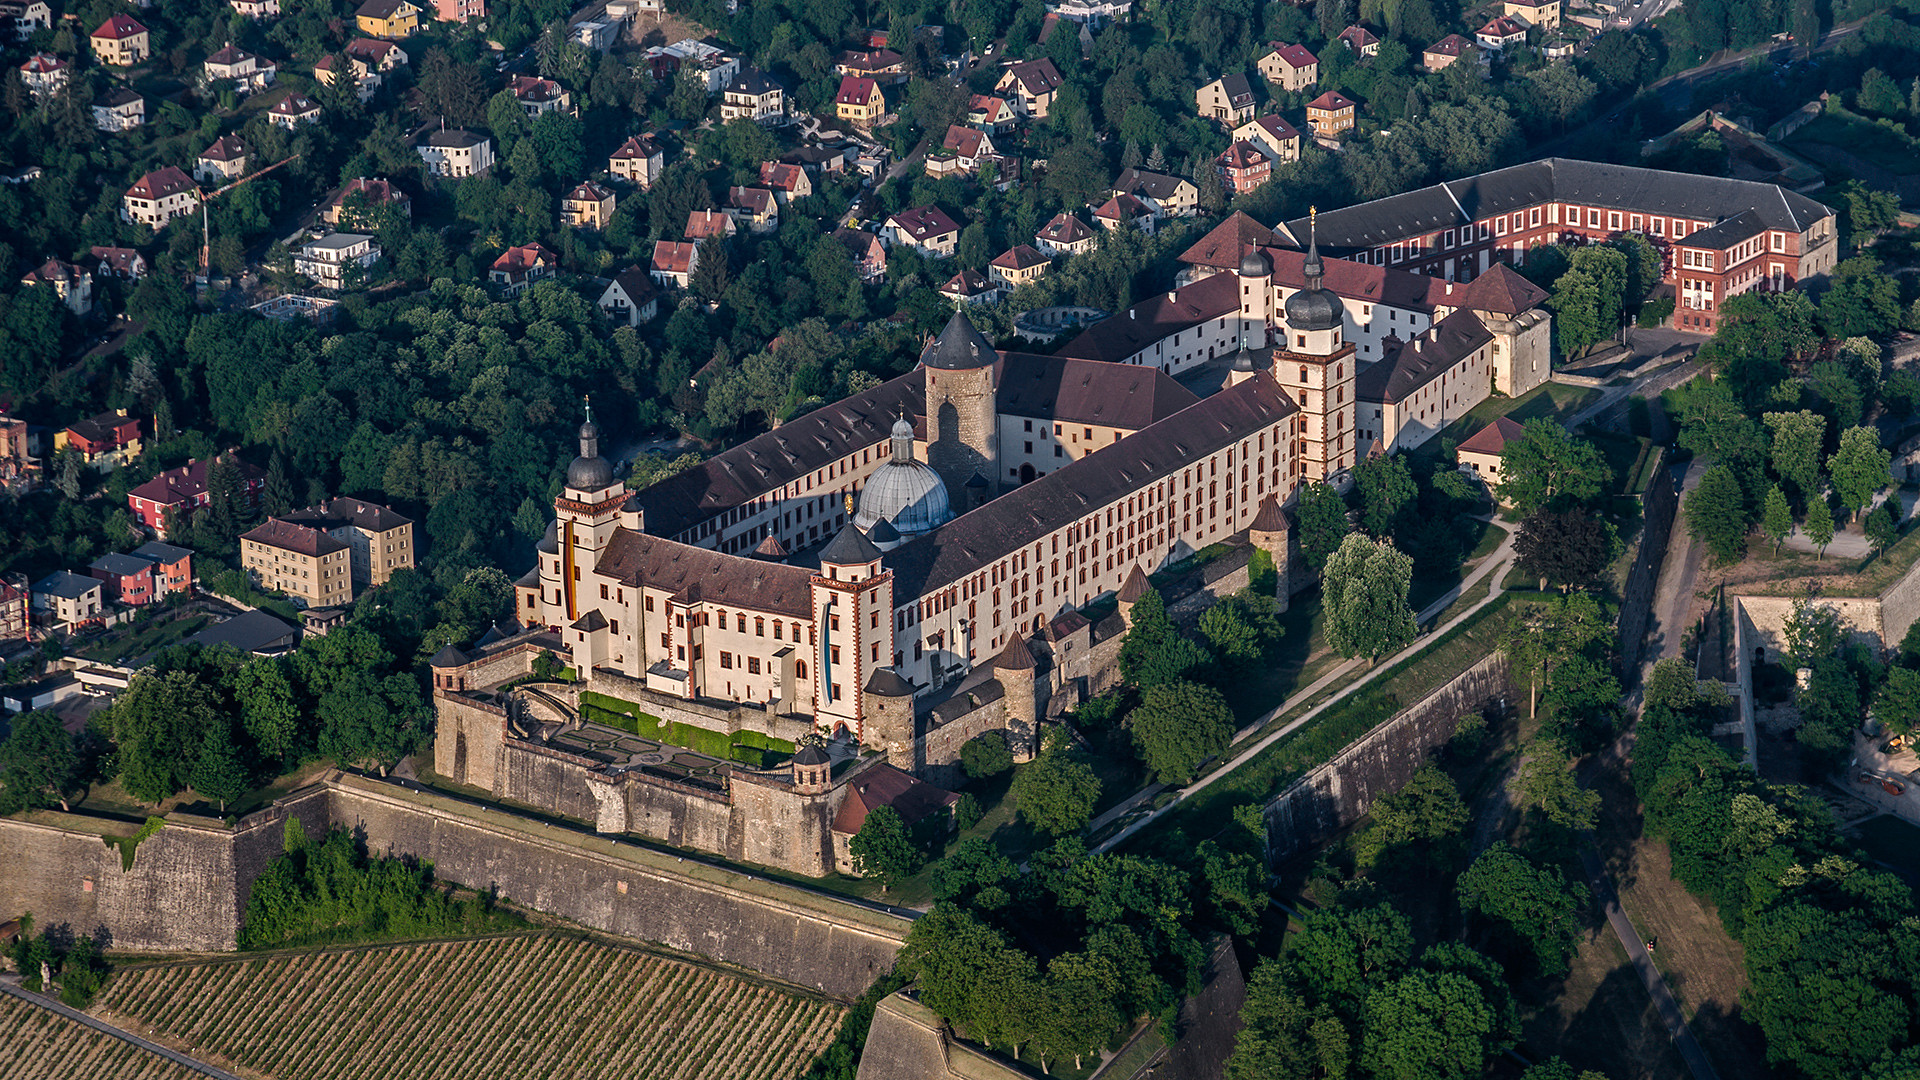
x,y
188,885
1314,808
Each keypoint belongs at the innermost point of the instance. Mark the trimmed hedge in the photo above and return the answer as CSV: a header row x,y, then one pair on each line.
x,y
747,747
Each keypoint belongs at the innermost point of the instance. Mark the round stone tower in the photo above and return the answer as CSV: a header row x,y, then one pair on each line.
x,y
962,436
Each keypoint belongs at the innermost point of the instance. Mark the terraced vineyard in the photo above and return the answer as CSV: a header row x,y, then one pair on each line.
x,y
529,1006
38,1045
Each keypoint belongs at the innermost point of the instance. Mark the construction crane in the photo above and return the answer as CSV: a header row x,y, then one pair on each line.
x,y
206,272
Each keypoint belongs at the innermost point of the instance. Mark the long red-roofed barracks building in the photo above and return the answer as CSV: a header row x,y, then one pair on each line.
x,y
1720,236
1107,472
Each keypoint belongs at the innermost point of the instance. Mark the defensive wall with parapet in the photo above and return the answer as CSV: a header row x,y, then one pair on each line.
x,y
188,884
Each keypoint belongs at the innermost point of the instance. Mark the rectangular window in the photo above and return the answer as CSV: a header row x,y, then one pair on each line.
x,y
726,659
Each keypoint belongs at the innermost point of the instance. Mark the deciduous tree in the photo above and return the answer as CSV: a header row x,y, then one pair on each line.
x,y
1056,791
1717,514
1818,524
1535,902
1323,524
881,849
38,763
1776,517
1859,468
1154,652
1564,547
1795,448
1366,585
1178,726
1546,467
1387,492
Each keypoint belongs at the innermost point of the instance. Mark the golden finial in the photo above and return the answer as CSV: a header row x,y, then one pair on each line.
x,y
849,502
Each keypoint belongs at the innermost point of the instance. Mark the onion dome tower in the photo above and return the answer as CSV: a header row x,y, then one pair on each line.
x,y
1317,369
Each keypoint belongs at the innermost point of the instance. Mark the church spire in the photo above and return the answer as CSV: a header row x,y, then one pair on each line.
x,y
1312,268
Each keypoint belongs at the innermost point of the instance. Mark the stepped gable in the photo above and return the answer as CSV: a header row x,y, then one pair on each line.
x,y
1088,392
1587,183
1134,587
693,574
1425,358
1065,495
779,457
1016,656
1119,336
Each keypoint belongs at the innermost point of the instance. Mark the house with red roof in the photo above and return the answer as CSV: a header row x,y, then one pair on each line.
x,y
1066,234
1440,55
673,263
787,182
366,193
1501,34
44,74
1030,86
225,160
1290,67
244,72
859,102
1018,266
183,490
990,114
588,206
71,284
883,785
1330,114
707,224
969,287
926,229
518,268
1361,40
1123,210
1278,139
1480,453
1243,167
105,442
121,41
159,197
639,161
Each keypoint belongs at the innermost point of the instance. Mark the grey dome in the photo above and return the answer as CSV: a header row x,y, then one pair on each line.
x,y
1313,309
1255,264
1243,360
550,543
909,494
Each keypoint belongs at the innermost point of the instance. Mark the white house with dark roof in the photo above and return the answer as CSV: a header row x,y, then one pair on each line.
x,y
1227,100
753,95
120,110
238,70
225,160
455,153
1029,87
1169,196
926,229
639,161
1065,234
1278,139
631,298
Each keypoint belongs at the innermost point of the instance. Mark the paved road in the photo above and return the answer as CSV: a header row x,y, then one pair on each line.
x,y
10,985
1494,565
1642,960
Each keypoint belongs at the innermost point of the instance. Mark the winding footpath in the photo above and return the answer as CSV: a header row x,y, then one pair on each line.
x,y
1494,566
10,985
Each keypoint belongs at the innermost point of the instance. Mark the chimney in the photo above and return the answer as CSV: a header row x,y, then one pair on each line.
x,y
1129,313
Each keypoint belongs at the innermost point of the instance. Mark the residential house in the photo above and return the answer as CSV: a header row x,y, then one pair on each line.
x,y
365,194
1479,454
159,197
292,111
125,264
18,467
707,224
990,114
969,145
459,10
456,152
926,229
1030,86
68,598
519,267
787,182
120,110
375,56
753,209
715,66
244,72
106,441
256,9
1441,54
127,579
1227,100
1290,67
252,633
859,102
631,297
379,540
969,287
304,563
587,206
337,260
121,42
1065,234
183,490
44,74
752,95
387,18
1362,41
1330,114
1502,34
639,161
1123,210
1544,14
364,82
225,160
26,17
538,97
1169,196
869,254
15,601
1274,136
673,263
820,160
883,66
172,567
1243,167
1017,266
71,284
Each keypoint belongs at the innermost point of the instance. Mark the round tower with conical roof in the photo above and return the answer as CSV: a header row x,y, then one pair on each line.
x,y
962,407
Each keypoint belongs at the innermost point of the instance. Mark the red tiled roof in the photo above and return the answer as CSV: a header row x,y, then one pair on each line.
x,y
1358,37
42,64
368,50
1066,229
182,484
1037,77
1019,257
1295,56
1493,438
967,283
1276,127
588,191
856,90
1331,101
524,257
1451,45
1504,27
702,224
161,183
884,785
922,222
672,256
117,27
288,536
529,88
781,177
751,199
964,141
1123,207
638,146
1242,155
1503,291
225,148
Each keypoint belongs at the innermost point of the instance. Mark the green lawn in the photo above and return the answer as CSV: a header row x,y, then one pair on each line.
x,y
1550,399
137,639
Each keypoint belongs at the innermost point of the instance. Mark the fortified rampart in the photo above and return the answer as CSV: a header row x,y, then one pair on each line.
x,y
1320,804
1657,509
189,882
